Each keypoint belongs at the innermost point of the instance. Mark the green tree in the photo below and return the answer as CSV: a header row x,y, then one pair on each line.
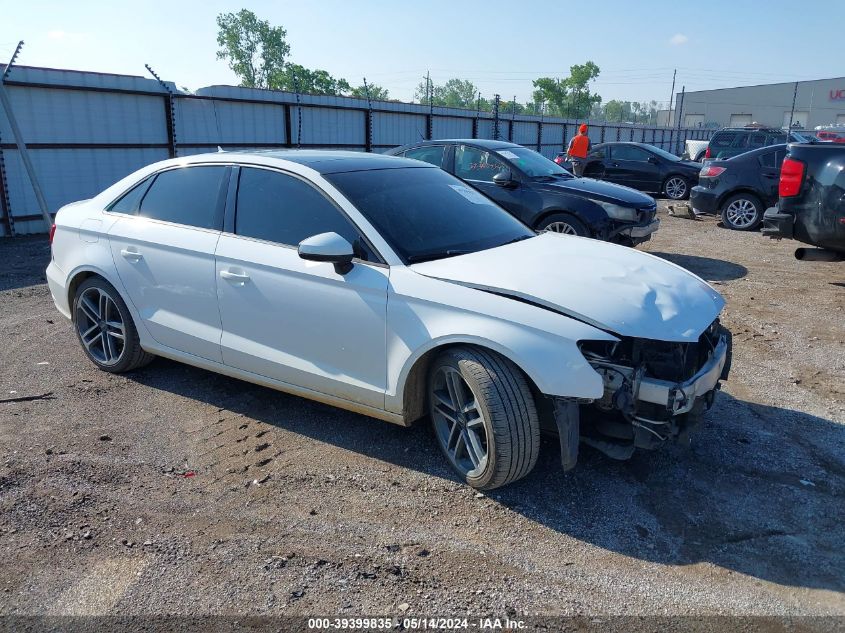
x,y
255,50
295,77
571,96
455,93
377,93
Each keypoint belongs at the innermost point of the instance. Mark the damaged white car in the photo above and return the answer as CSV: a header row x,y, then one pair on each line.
x,y
388,287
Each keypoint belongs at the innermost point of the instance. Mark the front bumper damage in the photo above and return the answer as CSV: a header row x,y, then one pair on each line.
x,y
653,392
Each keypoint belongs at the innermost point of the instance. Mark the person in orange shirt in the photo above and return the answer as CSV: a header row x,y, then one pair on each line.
x,y
579,146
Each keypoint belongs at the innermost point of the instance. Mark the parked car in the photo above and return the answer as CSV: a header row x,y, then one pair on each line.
x,y
831,134
733,141
644,167
695,150
811,204
540,193
740,188
391,288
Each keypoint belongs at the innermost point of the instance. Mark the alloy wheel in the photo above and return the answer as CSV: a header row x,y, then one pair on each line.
x,y
561,227
100,326
676,188
459,422
741,213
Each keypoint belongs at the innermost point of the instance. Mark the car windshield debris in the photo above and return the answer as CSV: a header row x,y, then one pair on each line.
x,y
532,164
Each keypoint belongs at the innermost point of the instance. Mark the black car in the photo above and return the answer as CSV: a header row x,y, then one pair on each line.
x,y
644,167
733,141
740,188
542,194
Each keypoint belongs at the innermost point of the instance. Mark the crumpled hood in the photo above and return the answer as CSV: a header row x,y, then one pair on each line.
x,y
614,288
601,190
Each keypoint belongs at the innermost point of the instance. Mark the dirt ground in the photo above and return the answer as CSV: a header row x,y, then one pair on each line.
x,y
172,490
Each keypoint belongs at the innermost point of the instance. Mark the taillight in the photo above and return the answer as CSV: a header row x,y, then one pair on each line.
x,y
791,177
707,153
710,171
558,159
52,232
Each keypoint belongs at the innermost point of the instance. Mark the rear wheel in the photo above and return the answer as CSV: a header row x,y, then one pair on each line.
x,y
105,328
563,223
484,416
742,212
676,188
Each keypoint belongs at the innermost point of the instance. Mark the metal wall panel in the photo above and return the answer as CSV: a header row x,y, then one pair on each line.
x,y
398,129
451,127
524,133
47,115
222,122
328,126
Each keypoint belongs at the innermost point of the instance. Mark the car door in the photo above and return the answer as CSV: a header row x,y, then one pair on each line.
x,y
629,165
163,248
292,320
477,167
596,167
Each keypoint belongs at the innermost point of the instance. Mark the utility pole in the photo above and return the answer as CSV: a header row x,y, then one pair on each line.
x,y
792,112
680,108
671,97
16,132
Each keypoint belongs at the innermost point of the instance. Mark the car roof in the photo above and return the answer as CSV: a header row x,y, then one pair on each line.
x,y
321,161
759,150
486,143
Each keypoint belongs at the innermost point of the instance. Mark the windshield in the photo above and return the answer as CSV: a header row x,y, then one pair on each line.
x,y
425,213
661,152
531,163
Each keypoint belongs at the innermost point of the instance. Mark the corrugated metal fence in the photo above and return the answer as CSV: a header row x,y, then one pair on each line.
x,y
88,130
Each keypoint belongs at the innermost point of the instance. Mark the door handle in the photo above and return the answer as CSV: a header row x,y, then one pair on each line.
x,y
133,256
614,165
230,276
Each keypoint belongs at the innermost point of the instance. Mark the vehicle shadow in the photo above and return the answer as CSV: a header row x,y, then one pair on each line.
x,y
759,491
705,267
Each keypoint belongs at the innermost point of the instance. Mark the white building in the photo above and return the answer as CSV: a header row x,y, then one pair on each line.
x,y
818,102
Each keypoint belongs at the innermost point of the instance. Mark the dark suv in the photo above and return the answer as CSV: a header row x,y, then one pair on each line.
x,y
733,141
540,192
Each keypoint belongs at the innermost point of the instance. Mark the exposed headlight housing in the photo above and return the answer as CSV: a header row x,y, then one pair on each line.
x,y
618,212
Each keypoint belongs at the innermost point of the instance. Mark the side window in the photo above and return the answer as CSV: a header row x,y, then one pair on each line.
x,y
722,139
629,152
599,152
756,140
128,203
283,209
476,164
188,195
430,154
776,139
741,140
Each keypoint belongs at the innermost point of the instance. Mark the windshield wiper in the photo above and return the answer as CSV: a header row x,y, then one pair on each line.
x,y
427,257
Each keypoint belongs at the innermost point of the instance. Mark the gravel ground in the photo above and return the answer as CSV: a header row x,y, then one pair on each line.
x,y
172,490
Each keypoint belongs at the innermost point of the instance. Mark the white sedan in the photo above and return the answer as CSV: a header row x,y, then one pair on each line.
x,y
385,286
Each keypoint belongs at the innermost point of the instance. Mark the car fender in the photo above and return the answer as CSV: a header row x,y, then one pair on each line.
x,y
542,343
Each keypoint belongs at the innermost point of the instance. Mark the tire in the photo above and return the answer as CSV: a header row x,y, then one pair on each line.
x,y
104,328
676,187
495,436
563,223
742,212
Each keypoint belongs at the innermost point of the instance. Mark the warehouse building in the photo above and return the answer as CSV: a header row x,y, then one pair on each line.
x,y
820,102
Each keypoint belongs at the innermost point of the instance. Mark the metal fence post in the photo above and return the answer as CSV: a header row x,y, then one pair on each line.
x,y
496,117
288,126
5,203
169,113
368,121
601,139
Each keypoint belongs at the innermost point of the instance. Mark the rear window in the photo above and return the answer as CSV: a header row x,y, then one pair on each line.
x,y
189,195
432,154
128,203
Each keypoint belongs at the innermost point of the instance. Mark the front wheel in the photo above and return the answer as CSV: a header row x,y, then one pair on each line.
x,y
676,188
563,223
742,212
484,416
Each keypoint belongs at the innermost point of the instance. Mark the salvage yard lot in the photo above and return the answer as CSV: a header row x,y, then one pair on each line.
x,y
175,490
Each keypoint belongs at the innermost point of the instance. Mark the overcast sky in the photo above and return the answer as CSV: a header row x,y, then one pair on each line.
x,y
499,45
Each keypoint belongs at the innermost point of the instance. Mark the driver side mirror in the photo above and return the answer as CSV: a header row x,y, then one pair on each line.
x,y
328,247
504,178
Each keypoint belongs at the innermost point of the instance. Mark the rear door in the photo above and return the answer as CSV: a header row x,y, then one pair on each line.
x,y
298,321
163,248
770,163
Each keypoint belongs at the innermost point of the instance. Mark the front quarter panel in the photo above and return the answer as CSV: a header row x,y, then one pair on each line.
x,y
425,313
